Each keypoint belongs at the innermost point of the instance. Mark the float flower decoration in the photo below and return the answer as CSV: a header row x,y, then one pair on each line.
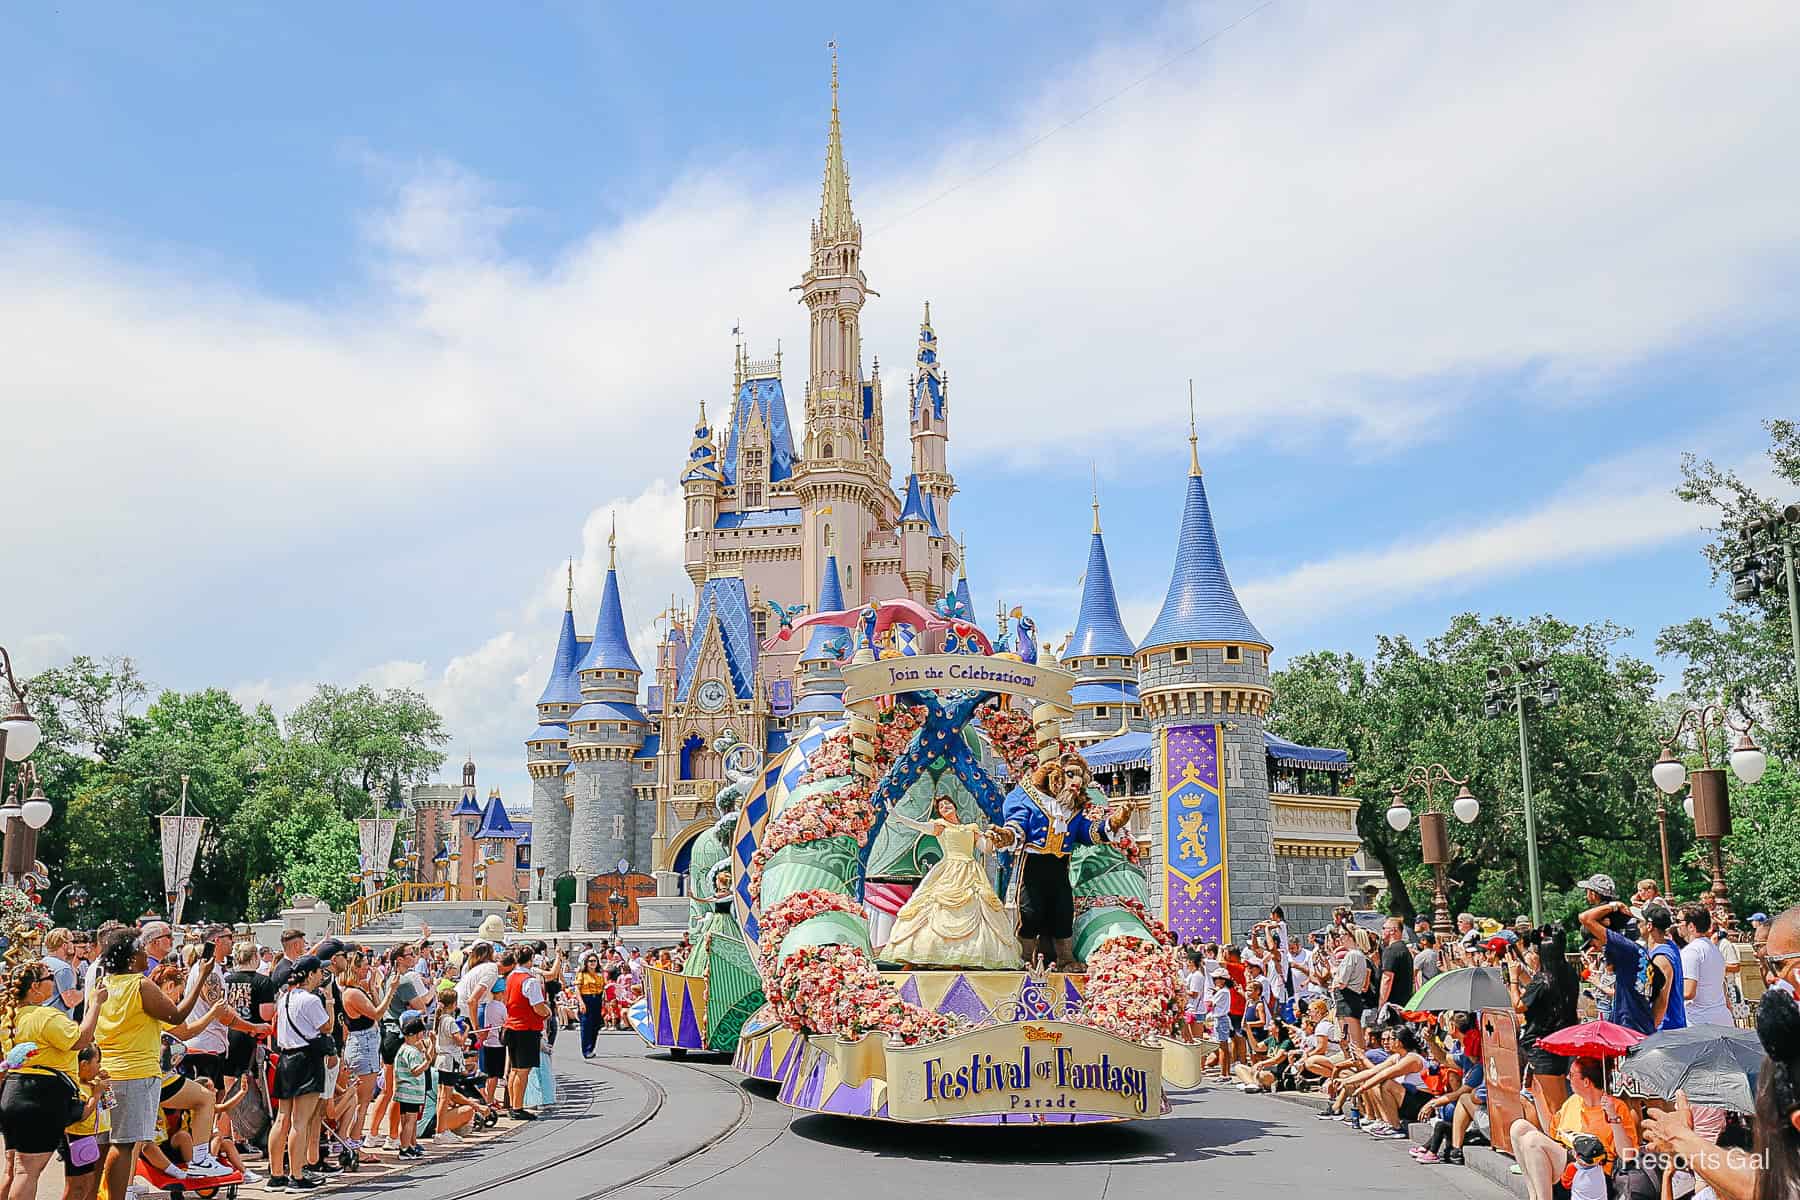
x,y
1134,990
1009,731
22,923
1131,904
835,989
775,924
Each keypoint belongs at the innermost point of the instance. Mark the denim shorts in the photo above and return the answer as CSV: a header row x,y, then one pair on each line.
x,y
362,1051
137,1107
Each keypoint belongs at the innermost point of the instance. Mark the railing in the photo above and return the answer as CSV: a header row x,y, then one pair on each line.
x,y
389,900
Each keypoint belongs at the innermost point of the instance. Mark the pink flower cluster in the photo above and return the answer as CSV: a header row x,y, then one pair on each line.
x,y
836,990
1010,733
1134,989
775,924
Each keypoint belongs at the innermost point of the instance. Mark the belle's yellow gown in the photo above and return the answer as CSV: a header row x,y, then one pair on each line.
x,y
954,919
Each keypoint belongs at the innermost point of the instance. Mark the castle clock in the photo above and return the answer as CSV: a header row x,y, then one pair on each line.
x,y
710,696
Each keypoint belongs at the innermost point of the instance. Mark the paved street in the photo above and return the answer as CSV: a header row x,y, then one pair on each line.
x,y
693,1129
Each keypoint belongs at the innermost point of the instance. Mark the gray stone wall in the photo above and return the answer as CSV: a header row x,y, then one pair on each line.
x,y
1310,889
550,822
642,825
602,793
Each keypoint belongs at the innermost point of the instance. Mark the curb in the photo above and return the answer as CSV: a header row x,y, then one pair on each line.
x,y
1485,1161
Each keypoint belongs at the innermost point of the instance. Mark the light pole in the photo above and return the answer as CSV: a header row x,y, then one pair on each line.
x,y
1756,572
1707,792
616,902
1434,831
1500,699
78,896
19,736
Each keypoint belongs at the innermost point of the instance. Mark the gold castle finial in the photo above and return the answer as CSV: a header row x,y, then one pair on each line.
x,y
1094,474
569,594
928,314
1193,434
612,544
835,219
962,556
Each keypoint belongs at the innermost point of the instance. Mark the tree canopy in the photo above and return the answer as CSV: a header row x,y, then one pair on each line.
x,y
281,804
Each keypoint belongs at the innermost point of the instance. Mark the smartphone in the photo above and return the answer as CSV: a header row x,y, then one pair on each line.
x,y
207,951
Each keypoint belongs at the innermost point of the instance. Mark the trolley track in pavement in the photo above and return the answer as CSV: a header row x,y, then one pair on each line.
x,y
657,1096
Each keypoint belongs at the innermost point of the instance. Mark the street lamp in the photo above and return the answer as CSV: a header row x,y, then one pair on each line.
x,y
540,882
78,896
1434,830
1506,693
616,902
19,736
1708,801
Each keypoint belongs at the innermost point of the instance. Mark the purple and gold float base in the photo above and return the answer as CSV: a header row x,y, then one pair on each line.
x,y
1031,1066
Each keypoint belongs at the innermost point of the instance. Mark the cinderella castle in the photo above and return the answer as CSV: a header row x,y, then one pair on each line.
x,y
782,521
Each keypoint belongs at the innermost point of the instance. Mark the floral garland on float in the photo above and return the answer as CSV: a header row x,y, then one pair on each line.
x,y
22,923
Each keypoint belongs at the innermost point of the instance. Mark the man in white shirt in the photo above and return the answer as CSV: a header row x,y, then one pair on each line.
x,y
1702,970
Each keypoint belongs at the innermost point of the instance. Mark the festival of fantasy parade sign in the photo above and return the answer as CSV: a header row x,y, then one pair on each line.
x,y
1033,1067
952,672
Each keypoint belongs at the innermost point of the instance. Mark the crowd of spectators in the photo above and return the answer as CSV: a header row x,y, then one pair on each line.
x,y
196,1050
1328,1011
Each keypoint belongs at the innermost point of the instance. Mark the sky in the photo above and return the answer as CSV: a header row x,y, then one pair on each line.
x,y
332,332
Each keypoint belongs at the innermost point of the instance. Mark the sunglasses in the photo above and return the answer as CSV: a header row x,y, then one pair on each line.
x,y
1774,959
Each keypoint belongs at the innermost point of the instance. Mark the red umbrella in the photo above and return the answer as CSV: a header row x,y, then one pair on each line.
x,y
1592,1039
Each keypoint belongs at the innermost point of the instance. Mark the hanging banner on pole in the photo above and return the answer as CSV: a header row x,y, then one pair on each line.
x,y
1196,895
375,848
180,845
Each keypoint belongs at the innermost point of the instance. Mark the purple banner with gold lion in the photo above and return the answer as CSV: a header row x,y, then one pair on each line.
x,y
1195,897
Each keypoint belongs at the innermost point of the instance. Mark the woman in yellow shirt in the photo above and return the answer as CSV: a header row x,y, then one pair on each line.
x,y
590,984
38,1100
130,1037
1546,1160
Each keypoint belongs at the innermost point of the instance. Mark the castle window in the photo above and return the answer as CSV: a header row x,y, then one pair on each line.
x,y
825,449
761,620
1099,710
1137,710
1234,654
753,495
1181,654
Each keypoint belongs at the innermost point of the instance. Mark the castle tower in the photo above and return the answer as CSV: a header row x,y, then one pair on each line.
x,y
1203,674
547,747
918,530
841,482
604,734
929,421
465,818
821,675
1102,656
701,481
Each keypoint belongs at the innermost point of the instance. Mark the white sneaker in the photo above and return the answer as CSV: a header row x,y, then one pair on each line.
x,y
251,1177
209,1169
137,1189
176,1171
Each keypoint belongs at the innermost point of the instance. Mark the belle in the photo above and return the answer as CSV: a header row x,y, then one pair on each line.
x,y
953,918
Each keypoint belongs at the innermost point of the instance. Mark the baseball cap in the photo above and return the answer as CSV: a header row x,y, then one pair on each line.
x,y
1759,918
304,966
331,948
1496,943
1601,885
446,985
412,1022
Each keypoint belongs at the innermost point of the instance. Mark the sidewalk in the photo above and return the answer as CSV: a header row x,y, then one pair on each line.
x,y
1487,1162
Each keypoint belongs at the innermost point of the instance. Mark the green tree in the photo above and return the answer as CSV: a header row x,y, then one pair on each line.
x,y
1413,705
362,740
1746,653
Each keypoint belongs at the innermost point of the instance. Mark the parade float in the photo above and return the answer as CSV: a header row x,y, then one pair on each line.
x,y
936,1010
703,1005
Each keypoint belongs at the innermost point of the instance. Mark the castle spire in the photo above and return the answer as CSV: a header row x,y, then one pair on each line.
x,y
569,589
611,647
612,545
1193,435
835,219
1094,473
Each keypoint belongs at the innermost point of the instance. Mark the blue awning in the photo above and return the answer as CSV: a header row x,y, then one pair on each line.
x,y
1104,693
1119,753
1312,758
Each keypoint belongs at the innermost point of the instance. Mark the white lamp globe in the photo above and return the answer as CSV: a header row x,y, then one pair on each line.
x,y
1748,762
1669,773
22,734
36,812
1687,805
1467,808
1399,817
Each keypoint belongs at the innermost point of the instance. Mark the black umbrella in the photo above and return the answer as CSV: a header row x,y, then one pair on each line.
x,y
1713,1064
1468,989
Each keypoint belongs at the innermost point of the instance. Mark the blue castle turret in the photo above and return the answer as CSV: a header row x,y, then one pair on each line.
x,y
821,676
1101,654
605,733
1204,663
547,745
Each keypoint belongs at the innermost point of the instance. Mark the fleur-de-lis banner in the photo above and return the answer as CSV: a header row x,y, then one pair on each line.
x,y
375,847
1196,900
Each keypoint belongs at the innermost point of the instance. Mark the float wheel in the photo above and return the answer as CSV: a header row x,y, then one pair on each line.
x,y
677,1053
205,1193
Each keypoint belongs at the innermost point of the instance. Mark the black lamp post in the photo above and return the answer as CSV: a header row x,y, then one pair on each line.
x,y
1434,830
1709,801
616,902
